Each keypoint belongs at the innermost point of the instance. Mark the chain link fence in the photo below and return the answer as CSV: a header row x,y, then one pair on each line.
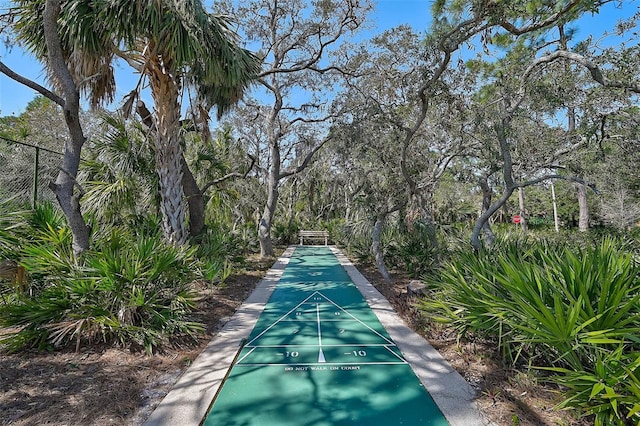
x,y
26,170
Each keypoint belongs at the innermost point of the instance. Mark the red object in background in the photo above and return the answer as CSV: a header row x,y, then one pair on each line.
x,y
517,219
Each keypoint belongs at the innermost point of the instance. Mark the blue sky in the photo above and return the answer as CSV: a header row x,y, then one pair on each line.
x,y
14,97
389,13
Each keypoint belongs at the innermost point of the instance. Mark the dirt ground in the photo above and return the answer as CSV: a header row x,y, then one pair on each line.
x,y
114,386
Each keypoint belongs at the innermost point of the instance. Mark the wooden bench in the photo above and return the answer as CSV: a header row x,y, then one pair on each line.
x,y
314,235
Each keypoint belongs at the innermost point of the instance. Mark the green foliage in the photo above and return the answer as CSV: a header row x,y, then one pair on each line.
x,y
217,249
118,174
415,251
285,233
11,216
130,289
570,308
355,239
610,392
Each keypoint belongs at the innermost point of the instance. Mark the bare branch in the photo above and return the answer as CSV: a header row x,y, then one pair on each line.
x,y
555,177
305,162
145,115
31,84
230,176
594,70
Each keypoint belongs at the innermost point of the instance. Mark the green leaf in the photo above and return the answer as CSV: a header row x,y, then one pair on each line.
x,y
634,410
597,388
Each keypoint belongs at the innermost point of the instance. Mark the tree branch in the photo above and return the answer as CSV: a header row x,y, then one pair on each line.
x,y
551,20
594,70
31,84
305,162
556,177
230,176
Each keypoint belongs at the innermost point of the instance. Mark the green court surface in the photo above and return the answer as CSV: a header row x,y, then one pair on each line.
x,y
319,356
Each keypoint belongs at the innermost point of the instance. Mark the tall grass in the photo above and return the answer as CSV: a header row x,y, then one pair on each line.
x,y
549,305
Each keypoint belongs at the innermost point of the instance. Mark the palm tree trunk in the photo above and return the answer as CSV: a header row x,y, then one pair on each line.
x,y
165,92
195,200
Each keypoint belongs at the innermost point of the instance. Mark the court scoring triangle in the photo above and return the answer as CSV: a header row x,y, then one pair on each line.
x,y
315,298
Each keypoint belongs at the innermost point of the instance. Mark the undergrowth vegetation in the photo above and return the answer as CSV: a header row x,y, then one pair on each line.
x,y
571,311
131,288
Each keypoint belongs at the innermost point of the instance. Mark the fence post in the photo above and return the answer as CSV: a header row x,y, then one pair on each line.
x,y
36,165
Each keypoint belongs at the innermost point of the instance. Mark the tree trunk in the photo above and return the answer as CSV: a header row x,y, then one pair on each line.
x,y
482,221
293,196
487,195
376,250
273,181
424,199
347,203
266,220
195,200
264,232
556,223
66,180
168,151
195,196
523,210
583,221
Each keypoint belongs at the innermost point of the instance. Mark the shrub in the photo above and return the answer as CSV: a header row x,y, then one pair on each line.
x,y
568,309
285,233
416,251
216,250
610,391
130,289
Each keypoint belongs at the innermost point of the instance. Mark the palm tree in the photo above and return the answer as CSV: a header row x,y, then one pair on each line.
x,y
177,44
119,174
173,45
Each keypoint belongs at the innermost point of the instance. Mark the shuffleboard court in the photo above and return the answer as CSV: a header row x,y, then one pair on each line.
x,y
319,356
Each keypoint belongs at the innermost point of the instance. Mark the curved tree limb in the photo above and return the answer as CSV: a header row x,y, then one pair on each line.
x,y
594,70
305,162
31,84
230,175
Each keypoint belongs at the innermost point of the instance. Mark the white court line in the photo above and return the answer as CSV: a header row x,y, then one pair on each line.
x,y
321,365
320,353
303,320
346,312
398,356
246,355
315,364
283,317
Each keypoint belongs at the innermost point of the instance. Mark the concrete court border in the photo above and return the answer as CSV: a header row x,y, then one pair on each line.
x,y
189,399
